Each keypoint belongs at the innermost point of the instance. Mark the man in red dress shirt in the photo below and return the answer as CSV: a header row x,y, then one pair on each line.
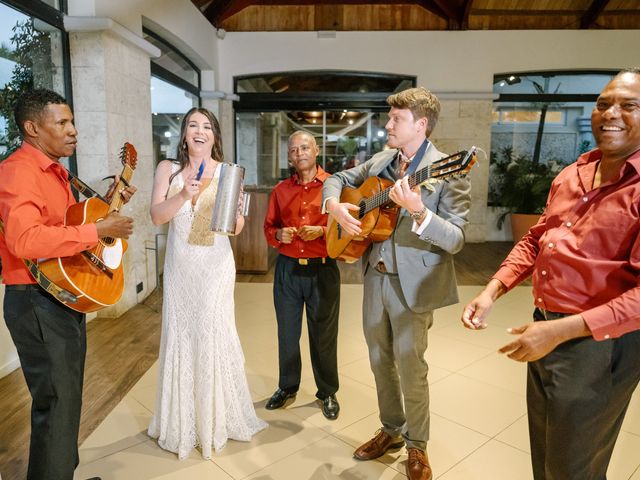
x,y
50,338
305,277
584,258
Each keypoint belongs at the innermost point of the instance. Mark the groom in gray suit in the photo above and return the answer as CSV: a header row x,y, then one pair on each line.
x,y
408,275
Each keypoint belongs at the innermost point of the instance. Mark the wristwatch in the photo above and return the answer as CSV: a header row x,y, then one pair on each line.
x,y
419,214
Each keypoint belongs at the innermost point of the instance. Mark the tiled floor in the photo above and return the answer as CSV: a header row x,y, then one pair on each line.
x,y
478,421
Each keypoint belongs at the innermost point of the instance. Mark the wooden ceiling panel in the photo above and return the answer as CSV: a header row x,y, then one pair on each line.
x,y
622,5
391,17
371,15
523,22
628,21
272,18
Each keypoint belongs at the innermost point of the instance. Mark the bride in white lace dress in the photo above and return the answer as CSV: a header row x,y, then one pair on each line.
x,y
203,397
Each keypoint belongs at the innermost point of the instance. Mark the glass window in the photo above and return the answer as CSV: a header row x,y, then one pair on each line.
x,y
514,115
545,116
346,138
31,55
168,105
345,112
541,123
175,88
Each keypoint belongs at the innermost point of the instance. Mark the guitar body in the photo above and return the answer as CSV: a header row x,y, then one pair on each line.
x,y
377,224
94,287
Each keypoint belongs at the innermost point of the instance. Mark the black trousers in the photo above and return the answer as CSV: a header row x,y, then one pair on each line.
x,y
577,397
51,343
316,288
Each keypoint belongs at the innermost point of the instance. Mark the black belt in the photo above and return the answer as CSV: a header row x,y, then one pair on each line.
x,y
311,261
547,315
23,287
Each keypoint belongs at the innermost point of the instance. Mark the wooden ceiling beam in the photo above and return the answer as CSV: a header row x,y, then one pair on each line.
x,y
237,7
216,11
523,12
589,18
431,6
453,14
464,18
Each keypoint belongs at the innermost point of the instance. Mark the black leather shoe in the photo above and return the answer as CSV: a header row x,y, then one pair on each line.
x,y
94,478
278,399
330,407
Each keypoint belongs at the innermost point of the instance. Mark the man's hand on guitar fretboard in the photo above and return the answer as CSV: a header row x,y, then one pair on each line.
x,y
340,213
126,191
406,197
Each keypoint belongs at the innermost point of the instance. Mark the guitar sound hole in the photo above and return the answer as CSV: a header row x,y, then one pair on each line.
x,y
108,241
362,211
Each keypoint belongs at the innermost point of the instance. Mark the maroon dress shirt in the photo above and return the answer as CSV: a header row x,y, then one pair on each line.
x,y
584,253
293,204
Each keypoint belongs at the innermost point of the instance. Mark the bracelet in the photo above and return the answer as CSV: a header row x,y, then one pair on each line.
x,y
419,214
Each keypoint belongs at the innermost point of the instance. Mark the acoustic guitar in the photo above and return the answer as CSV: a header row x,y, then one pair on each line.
x,y
93,279
378,214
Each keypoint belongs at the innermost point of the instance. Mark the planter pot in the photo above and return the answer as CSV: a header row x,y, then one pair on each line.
x,y
521,223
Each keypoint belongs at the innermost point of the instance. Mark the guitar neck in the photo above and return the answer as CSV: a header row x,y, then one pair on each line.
x,y
456,164
125,179
381,198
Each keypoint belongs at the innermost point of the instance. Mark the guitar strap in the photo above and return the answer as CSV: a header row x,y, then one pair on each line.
x,y
82,188
417,158
62,295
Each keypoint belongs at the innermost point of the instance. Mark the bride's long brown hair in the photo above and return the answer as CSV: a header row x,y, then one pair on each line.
x,y
182,157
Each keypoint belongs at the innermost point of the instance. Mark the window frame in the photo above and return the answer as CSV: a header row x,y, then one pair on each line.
x,y
170,77
55,18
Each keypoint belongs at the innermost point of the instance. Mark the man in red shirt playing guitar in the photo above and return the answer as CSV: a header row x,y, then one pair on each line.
x,y
50,337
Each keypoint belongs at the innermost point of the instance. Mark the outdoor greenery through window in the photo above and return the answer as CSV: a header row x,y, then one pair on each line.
x,y
541,123
31,56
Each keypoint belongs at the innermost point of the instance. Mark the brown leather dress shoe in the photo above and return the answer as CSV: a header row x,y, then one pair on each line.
x,y
377,446
418,467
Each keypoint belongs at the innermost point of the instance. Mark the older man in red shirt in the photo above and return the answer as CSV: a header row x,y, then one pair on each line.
x,y
305,277
584,258
50,338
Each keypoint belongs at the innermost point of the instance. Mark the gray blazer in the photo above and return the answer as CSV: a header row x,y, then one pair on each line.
x,y
424,263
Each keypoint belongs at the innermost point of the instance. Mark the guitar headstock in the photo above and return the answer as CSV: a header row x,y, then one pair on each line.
x,y
456,164
128,155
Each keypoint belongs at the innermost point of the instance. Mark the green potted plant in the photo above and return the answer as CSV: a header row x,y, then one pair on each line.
x,y
520,186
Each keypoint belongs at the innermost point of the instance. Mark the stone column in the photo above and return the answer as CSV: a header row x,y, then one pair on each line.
x,y
112,105
462,124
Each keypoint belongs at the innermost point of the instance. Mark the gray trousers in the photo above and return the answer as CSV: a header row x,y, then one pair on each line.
x,y
397,341
577,397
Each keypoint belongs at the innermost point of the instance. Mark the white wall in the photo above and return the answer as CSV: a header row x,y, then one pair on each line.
x,y
442,61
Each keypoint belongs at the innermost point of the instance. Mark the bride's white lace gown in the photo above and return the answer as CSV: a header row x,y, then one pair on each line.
x,y
203,397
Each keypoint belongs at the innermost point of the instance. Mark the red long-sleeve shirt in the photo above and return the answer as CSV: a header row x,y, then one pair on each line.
x,y
293,204
34,196
584,254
